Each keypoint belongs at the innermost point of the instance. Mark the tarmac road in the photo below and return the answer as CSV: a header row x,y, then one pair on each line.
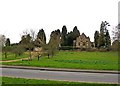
x,y
60,75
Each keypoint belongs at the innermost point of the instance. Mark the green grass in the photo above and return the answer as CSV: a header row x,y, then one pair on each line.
x,y
9,80
76,60
11,56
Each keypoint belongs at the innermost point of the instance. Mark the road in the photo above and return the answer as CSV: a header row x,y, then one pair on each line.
x,y
60,75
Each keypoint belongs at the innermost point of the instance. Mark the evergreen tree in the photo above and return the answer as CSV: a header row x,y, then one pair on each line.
x,y
102,36
7,42
108,40
72,36
96,39
64,36
41,38
76,33
70,39
41,35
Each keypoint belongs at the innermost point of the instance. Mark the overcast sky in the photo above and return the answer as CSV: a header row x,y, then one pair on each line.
x,y
19,15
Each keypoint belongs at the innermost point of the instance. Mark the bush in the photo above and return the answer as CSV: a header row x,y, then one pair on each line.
x,y
66,48
102,49
92,49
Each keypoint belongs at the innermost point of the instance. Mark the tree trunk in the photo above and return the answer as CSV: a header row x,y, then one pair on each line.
x,y
38,57
30,58
48,55
52,53
15,55
6,55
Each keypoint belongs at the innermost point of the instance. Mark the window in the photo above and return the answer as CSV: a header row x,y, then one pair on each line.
x,y
79,43
83,43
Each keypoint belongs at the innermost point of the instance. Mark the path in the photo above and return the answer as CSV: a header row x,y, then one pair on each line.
x,y
15,60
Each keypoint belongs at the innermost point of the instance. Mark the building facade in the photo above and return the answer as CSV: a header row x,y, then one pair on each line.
x,y
82,42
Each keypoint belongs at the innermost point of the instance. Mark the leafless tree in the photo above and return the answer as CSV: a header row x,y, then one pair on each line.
x,y
116,37
33,34
116,33
2,40
28,41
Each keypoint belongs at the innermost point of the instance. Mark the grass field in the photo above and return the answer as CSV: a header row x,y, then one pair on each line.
x,y
11,56
75,60
8,80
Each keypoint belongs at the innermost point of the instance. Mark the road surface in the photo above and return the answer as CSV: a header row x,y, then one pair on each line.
x,y
60,75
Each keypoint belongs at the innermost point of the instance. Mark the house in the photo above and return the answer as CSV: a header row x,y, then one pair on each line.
x,y
82,42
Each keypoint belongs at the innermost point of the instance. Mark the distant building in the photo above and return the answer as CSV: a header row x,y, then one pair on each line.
x,y
82,42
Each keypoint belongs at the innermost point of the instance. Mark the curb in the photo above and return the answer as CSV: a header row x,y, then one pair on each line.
x,y
60,69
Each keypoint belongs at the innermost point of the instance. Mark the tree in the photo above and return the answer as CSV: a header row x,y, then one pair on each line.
x,y
107,40
41,35
2,40
25,40
30,47
28,44
32,34
76,33
104,34
116,32
7,42
70,39
116,45
6,49
64,36
54,42
96,39
18,50
41,38
71,36
116,37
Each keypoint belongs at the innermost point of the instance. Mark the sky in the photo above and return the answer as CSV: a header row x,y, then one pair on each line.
x,y
18,15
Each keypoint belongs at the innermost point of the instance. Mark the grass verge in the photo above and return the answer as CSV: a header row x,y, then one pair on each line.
x,y
17,81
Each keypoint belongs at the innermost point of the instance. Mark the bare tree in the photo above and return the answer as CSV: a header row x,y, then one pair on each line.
x,y
33,34
116,33
25,32
2,40
27,40
116,37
